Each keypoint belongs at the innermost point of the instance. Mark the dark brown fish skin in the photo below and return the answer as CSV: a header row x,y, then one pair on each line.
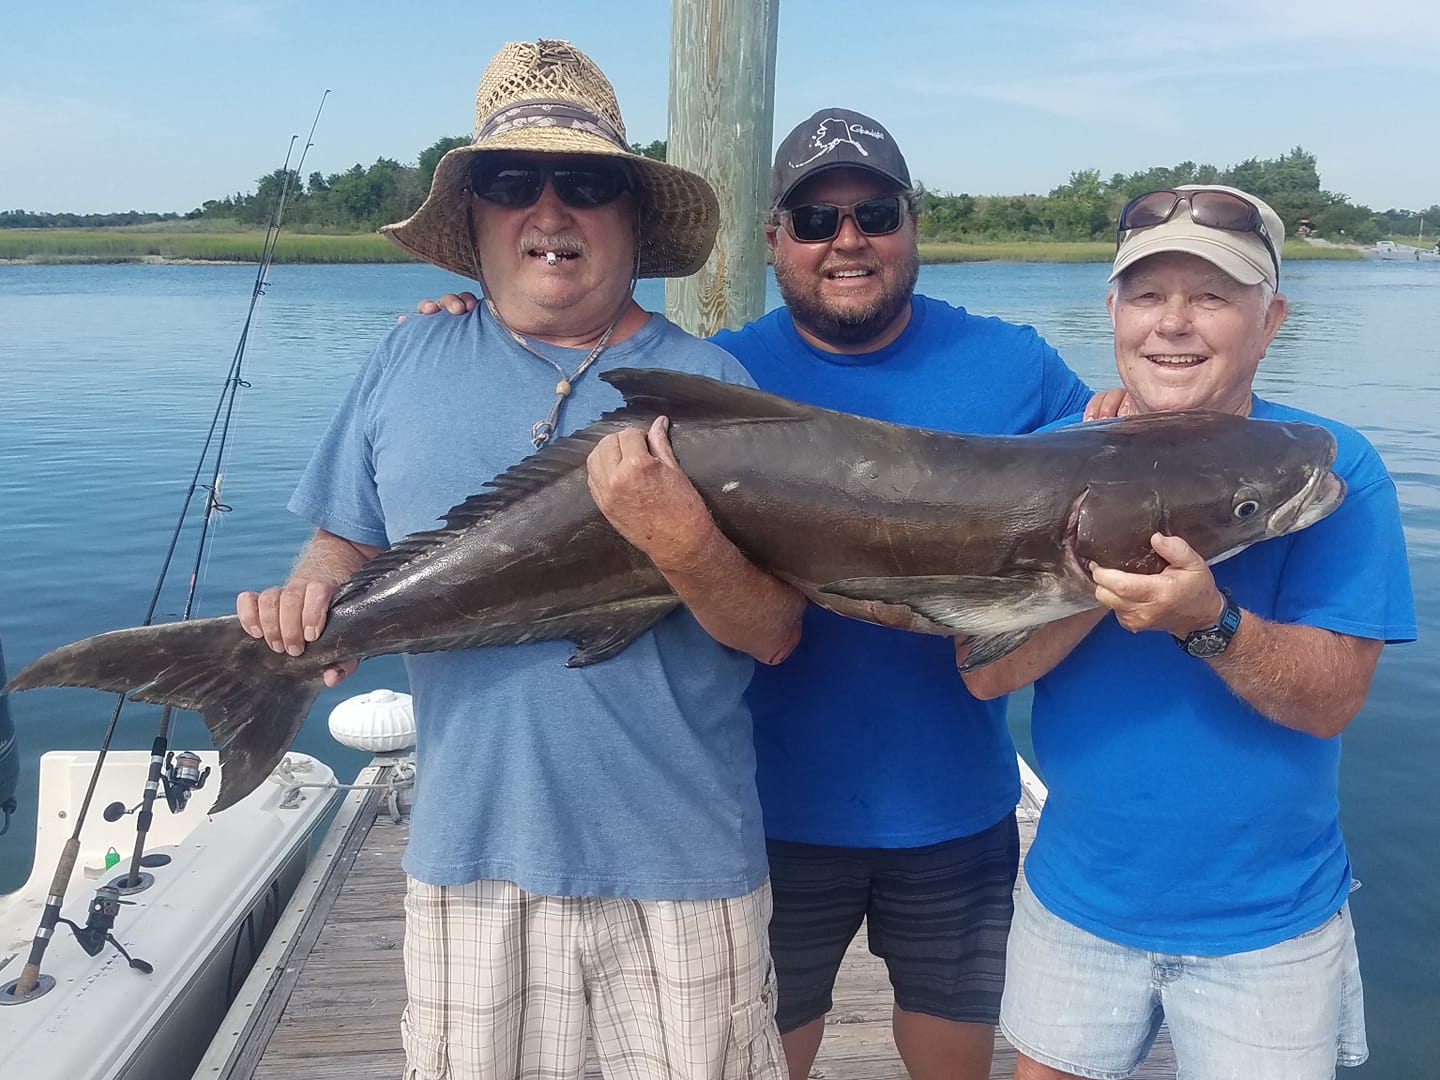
x,y
983,536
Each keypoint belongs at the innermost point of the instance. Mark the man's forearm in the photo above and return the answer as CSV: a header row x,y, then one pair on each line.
x,y
737,603
1303,677
1045,648
331,559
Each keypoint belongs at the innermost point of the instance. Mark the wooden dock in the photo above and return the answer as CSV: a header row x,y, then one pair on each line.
x,y
325,1001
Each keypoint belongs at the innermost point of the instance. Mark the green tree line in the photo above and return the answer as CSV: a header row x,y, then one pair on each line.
x,y
26,219
1083,208
1086,206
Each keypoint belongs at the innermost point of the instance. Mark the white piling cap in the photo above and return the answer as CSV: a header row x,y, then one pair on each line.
x,y
381,722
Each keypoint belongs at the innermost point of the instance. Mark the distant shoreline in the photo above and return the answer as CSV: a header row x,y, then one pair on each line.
x,y
231,250
239,246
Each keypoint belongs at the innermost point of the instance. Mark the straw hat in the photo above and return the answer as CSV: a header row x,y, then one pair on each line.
x,y
549,97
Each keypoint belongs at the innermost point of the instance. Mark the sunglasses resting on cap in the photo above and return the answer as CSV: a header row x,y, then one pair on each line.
x,y
815,223
581,185
1213,209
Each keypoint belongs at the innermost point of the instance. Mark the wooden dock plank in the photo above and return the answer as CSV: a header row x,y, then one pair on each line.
x,y
333,1010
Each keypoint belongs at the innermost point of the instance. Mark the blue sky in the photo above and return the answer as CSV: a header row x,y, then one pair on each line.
x,y
161,104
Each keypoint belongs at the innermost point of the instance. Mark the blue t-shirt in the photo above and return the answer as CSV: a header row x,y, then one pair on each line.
x,y
633,777
866,736
1180,819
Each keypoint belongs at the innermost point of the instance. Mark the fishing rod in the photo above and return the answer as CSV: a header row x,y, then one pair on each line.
x,y
182,775
9,756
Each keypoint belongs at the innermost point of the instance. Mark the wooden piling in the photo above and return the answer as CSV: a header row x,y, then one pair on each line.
x,y
722,109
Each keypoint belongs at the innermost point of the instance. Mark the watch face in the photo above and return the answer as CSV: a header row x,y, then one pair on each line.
x,y
1207,643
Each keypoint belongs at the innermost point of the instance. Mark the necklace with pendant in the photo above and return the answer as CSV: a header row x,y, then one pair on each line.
x,y
542,432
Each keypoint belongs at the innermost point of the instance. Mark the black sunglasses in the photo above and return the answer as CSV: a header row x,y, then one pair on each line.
x,y
516,184
1213,209
818,222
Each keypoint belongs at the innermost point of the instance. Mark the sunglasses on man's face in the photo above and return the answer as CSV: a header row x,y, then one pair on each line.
x,y
1213,209
518,184
815,223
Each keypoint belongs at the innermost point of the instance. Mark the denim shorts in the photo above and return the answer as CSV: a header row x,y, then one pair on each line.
x,y
937,915
1084,1005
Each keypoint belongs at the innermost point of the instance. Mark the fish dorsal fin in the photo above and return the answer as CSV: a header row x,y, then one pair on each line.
x,y
540,469
392,558
652,392
649,392
1144,421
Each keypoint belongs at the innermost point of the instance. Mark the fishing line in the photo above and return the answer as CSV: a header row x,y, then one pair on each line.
x,y
183,782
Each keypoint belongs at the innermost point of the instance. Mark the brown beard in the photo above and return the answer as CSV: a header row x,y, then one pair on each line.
x,y
851,326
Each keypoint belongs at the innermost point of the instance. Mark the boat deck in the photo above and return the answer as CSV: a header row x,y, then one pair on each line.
x,y
329,1007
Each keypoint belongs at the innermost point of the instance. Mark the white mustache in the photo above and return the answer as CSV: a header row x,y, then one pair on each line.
x,y
534,240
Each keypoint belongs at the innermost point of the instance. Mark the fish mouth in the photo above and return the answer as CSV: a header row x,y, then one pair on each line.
x,y
1322,493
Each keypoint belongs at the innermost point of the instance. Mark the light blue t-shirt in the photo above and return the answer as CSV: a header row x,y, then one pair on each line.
x,y
1180,819
633,777
866,736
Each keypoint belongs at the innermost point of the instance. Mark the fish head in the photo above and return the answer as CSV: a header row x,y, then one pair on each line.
x,y
1219,482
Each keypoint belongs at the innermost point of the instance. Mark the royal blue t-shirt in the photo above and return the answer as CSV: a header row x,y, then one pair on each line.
x,y
1179,818
631,778
866,736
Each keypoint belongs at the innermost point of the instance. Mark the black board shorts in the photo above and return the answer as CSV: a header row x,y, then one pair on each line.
x,y
937,915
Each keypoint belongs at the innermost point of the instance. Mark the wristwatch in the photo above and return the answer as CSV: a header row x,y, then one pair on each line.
x,y
1212,640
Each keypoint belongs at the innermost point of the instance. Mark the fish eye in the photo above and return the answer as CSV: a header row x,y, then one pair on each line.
x,y
1245,508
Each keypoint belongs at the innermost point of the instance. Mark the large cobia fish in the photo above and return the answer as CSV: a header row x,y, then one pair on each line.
x,y
982,536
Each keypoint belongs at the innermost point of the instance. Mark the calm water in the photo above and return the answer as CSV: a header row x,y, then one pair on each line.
x,y
109,376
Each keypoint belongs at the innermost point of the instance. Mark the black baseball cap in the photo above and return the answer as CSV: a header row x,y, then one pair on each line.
x,y
830,139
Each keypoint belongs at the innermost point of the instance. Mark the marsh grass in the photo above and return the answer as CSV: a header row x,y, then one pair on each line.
x,y
1298,250
1047,251
111,245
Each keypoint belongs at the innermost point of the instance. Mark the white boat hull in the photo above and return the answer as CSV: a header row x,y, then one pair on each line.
x,y
201,923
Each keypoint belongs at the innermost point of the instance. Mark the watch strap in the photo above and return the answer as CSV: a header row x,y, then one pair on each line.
x,y
1214,639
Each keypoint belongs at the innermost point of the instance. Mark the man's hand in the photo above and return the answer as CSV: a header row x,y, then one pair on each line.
x,y
642,491
1108,404
1181,598
455,303
288,616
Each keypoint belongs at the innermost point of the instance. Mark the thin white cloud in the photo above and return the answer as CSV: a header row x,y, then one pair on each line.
x,y
1410,26
25,116
1150,70
57,147
1264,36
1080,96
252,18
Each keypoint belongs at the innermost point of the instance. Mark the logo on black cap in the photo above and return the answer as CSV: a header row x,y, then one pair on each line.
x,y
831,132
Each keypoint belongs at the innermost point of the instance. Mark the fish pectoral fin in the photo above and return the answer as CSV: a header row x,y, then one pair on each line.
x,y
986,650
967,604
606,631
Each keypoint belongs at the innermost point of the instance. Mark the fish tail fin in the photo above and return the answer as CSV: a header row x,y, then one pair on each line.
x,y
252,699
